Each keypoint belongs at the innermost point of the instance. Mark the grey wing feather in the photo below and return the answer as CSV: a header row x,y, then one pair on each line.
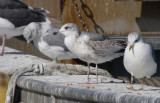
x,y
55,40
105,47
94,36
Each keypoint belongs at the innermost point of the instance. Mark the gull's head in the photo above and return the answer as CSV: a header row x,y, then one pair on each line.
x,y
134,38
69,29
31,31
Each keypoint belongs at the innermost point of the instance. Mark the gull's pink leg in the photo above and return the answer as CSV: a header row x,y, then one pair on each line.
x,y
87,75
96,82
3,45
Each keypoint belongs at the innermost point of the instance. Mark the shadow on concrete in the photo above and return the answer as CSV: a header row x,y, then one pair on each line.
x,y
17,53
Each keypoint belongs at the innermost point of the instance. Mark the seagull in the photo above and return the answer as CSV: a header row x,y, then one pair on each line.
x,y
90,49
139,58
14,16
48,44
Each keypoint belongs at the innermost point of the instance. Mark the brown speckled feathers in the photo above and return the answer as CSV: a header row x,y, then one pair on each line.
x,y
106,47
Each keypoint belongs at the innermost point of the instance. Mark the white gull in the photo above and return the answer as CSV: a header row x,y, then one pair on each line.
x,y
139,58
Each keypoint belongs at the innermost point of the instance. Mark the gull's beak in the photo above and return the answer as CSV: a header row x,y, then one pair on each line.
x,y
55,33
131,46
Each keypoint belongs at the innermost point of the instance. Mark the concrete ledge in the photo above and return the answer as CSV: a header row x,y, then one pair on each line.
x,y
67,87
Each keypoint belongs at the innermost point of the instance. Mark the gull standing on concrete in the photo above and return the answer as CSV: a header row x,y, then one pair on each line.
x,y
14,16
89,49
48,44
139,58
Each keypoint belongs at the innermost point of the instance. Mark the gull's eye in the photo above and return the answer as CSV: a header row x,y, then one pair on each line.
x,y
66,27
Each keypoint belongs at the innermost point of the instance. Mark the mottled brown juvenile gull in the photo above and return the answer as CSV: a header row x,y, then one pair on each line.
x,y
14,16
48,44
90,50
140,61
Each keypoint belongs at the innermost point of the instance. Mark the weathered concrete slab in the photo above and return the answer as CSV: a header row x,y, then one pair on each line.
x,y
68,87
14,59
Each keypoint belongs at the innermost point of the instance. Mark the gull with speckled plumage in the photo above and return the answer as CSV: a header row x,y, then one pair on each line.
x,y
89,50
